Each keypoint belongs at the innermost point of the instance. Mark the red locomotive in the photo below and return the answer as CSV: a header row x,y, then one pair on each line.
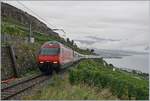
x,y
54,56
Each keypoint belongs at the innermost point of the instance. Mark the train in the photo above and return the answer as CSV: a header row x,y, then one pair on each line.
x,y
54,56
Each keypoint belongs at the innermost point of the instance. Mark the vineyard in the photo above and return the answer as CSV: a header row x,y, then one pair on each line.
x,y
98,73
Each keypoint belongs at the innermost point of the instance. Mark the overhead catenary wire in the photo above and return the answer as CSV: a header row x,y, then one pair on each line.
x,y
36,14
54,28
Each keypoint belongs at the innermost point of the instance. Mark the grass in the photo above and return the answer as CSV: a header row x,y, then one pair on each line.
x,y
30,72
61,89
13,29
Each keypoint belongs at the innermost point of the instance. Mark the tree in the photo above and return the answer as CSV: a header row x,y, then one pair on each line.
x,y
75,45
92,50
68,41
111,65
87,49
72,42
134,71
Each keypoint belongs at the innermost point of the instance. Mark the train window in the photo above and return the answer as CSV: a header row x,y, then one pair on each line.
x,y
62,50
49,51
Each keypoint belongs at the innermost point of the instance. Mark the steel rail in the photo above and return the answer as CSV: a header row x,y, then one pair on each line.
x,y
24,85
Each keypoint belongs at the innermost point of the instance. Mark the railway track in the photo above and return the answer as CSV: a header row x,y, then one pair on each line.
x,y
9,92
12,90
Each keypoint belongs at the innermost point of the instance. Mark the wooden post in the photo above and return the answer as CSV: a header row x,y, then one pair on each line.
x,y
13,58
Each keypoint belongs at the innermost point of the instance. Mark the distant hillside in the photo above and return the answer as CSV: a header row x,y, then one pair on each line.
x,y
15,15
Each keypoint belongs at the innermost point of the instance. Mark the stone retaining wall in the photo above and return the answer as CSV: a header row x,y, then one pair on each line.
x,y
25,54
6,63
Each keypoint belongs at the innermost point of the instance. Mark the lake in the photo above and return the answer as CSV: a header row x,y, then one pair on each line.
x,y
136,62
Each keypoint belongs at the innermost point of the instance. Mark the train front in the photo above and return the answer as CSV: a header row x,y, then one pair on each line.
x,y
48,58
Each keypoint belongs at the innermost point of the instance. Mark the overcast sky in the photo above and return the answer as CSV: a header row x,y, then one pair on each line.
x,y
121,25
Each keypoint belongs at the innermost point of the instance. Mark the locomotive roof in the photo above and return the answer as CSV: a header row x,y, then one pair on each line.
x,y
52,42
55,43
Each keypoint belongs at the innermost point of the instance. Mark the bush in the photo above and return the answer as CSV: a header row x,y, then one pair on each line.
x,y
94,73
13,30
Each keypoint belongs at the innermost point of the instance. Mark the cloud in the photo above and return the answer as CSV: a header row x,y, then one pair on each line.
x,y
147,48
98,24
101,39
87,42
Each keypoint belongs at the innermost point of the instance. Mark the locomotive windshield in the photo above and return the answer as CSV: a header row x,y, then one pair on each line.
x,y
49,51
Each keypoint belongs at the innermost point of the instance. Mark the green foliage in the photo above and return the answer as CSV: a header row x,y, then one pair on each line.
x,y
121,84
12,29
9,26
59,88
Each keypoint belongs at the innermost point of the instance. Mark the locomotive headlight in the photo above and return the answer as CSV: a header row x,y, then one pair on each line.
x,y
55,62
41,62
